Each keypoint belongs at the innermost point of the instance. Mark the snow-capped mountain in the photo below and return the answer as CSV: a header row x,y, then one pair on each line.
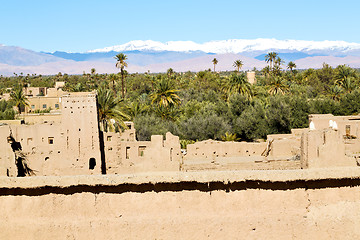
x,y
235,46
181,56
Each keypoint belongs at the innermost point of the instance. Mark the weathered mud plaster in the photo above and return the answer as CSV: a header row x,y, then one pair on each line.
x,y
293,204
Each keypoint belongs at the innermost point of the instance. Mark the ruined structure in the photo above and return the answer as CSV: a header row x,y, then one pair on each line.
x,y
68,141
66,145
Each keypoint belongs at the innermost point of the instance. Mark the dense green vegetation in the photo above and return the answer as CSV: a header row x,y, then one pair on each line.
x,y
6,110
207,104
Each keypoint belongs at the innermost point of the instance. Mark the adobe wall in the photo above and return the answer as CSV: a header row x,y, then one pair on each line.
x,y
213,207
64,147
43,103
42,118
321,121
325,148
284,153
251,77
126,155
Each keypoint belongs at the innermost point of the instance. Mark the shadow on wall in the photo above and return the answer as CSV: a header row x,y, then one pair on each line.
x,y
20,159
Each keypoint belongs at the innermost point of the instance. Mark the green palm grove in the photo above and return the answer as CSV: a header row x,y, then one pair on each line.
x,y
202,105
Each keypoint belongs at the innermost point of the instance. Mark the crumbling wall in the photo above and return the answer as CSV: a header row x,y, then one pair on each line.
x,y
324,149
7,157
281,151
130,156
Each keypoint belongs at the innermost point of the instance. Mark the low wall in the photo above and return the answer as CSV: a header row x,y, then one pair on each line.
x,y
290,204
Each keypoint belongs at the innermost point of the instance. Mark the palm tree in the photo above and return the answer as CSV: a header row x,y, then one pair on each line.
x,y
215,61
343,72
335,92
121,64
113,77
270,58
19,99
276,70
136,108
109,110
266,71
277,85
279,61
229,137
168,113
291,65
238,64
239,84
170,71
164,95
348,84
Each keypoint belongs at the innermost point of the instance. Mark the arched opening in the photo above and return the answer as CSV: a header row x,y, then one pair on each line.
x,y
92,163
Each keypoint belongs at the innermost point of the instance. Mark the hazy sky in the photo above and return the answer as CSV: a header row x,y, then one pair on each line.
x,y
79,25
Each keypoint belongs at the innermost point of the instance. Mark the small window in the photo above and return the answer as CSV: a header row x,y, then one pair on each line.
x,y
347,130
141,151
127,152
92,163
108,138
29,141
51,140
44,105
32,106
56,106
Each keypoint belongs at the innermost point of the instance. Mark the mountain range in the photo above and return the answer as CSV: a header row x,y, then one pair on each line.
x,y
182,56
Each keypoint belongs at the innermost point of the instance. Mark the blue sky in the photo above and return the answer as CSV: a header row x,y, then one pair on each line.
x,y
79,25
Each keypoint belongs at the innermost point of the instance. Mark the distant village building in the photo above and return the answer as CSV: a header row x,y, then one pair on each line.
x,y
251,77
68,141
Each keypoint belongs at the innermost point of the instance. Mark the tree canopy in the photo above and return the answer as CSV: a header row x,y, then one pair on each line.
x,y
206,104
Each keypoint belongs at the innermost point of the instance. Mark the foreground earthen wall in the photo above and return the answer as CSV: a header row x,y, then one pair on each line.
x,y
246,209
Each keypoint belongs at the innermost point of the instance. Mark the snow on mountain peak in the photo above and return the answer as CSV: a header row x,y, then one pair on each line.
x,y
232,46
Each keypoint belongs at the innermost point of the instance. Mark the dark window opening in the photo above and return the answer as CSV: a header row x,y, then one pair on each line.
x,y
92,163
51,140
127,152
47,158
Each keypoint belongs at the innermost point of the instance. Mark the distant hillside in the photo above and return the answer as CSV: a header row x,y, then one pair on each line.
x,y
18,56
136,57
181,56
287,57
